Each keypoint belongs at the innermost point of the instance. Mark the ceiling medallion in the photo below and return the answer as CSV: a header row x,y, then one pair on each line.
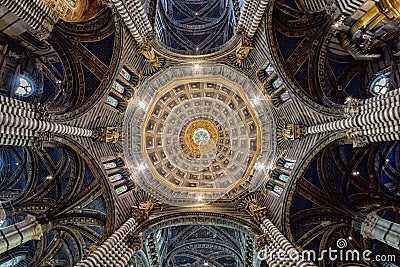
x,y
201,135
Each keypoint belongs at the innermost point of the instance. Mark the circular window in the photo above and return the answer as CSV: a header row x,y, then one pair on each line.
x,y
25,87
381,84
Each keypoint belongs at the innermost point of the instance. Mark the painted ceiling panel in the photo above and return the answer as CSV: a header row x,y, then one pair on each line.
x,y
194,27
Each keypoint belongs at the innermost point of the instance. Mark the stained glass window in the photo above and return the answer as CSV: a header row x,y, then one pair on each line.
x,y
115,177
118,87
125,74
284,96
121,189
283,177
277,83
109,165
381,84
278,190
13,261
288,164
25,87
112,101
269,70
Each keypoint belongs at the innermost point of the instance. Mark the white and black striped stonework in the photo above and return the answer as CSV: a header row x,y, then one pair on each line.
x,y
33,14
348,7
42,126
137,12
16,107
312,5
251,15
135,18
378,119
277,244
19,123
114,251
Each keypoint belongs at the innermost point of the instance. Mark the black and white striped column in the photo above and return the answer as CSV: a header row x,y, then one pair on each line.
x,y
377,119
36,125
279,251
251,14
135,18
114,251
37,14
16,107
349,7
20,122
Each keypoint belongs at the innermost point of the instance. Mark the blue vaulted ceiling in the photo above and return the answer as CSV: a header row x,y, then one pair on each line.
x,y
194,26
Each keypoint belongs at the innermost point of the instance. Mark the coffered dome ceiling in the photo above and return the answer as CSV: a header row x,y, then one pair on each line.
x,y
190,140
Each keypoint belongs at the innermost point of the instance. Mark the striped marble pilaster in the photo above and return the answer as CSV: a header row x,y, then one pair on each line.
x,y
313,5
16,107
136,10
114,251
251,14
380,103
243,13
373,120
348,7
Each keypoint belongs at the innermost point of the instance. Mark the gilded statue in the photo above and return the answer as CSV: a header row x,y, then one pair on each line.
x,y
143,210
243,50
148,52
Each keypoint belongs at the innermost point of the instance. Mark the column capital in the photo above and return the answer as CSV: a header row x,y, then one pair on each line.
x,y
293,131
257,212
134,241
106,134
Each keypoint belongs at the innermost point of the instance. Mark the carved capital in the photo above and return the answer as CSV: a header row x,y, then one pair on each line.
x,y
257,212
353,107
368,225
262,241
134,241
243,50
142,211
107,134
293,131
46,27
42,111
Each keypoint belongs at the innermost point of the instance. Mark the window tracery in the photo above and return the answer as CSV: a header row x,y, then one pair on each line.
x,y
25,87
380,84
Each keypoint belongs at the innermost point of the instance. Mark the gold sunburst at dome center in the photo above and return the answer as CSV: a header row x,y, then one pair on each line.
x,y
196,126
